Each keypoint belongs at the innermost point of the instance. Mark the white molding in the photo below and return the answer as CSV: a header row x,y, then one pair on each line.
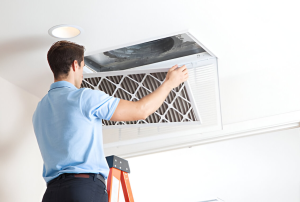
x,y
235,130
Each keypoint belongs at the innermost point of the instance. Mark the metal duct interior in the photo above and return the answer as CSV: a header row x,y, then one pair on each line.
x,y
176,108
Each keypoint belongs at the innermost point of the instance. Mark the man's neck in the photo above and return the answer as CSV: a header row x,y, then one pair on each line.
x,y
70,80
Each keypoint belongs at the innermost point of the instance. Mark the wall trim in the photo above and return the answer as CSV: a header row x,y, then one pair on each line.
x,y
127,149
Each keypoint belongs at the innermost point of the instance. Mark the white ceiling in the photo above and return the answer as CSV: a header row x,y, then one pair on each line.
x,y
257,43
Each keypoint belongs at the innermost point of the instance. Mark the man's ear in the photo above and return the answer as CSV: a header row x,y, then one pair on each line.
x,y
74,64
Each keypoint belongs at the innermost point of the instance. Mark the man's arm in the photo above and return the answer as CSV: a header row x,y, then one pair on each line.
x,y
132,111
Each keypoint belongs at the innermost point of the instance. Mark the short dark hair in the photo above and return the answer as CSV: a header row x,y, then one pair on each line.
x,y
61,55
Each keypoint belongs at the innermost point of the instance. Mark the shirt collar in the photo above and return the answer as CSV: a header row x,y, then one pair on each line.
x,y
62,84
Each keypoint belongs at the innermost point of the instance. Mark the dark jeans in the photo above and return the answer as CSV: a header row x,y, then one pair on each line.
x,y
75,189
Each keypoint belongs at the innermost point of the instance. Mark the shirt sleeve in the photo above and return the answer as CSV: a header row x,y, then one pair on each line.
x,y
97,104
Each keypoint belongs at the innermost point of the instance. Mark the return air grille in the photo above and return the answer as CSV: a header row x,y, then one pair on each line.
x,y
177,107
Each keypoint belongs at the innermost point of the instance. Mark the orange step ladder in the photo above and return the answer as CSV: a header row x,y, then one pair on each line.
x,y
118,173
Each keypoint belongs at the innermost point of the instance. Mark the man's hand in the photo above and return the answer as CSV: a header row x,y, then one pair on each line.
x,y
175,76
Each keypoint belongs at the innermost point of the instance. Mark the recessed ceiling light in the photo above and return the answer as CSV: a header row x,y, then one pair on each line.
x,y
65,31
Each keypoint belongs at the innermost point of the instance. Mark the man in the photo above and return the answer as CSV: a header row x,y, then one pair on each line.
x,y
68,125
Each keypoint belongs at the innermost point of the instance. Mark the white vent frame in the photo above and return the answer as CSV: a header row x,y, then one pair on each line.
x,y
204,82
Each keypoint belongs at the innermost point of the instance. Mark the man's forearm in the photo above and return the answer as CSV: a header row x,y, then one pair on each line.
x,y
150,103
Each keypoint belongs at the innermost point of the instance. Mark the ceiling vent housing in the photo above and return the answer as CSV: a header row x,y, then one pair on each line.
x,y
136,70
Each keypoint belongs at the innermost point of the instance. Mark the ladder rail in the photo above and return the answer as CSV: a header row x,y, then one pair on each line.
x,y
118,176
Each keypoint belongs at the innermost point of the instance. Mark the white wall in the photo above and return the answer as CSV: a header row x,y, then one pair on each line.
x,y
257,45
20,158
257,168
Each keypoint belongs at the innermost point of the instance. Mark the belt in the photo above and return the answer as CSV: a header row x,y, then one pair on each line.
x,y
82,175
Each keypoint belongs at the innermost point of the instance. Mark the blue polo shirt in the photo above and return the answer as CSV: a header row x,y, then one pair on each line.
x,y
68,127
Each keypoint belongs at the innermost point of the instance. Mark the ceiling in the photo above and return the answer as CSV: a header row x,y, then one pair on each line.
x,y
257,43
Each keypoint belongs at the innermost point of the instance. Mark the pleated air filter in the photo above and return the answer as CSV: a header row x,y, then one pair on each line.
x,y
178,107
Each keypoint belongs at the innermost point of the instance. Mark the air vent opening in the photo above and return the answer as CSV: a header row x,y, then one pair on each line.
x,y
150,52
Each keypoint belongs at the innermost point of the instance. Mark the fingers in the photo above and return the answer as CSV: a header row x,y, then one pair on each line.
x,y
182,68
172,68
185,71
186,77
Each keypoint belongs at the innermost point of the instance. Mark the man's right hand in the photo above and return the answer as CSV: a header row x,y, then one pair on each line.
x,y
176,76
